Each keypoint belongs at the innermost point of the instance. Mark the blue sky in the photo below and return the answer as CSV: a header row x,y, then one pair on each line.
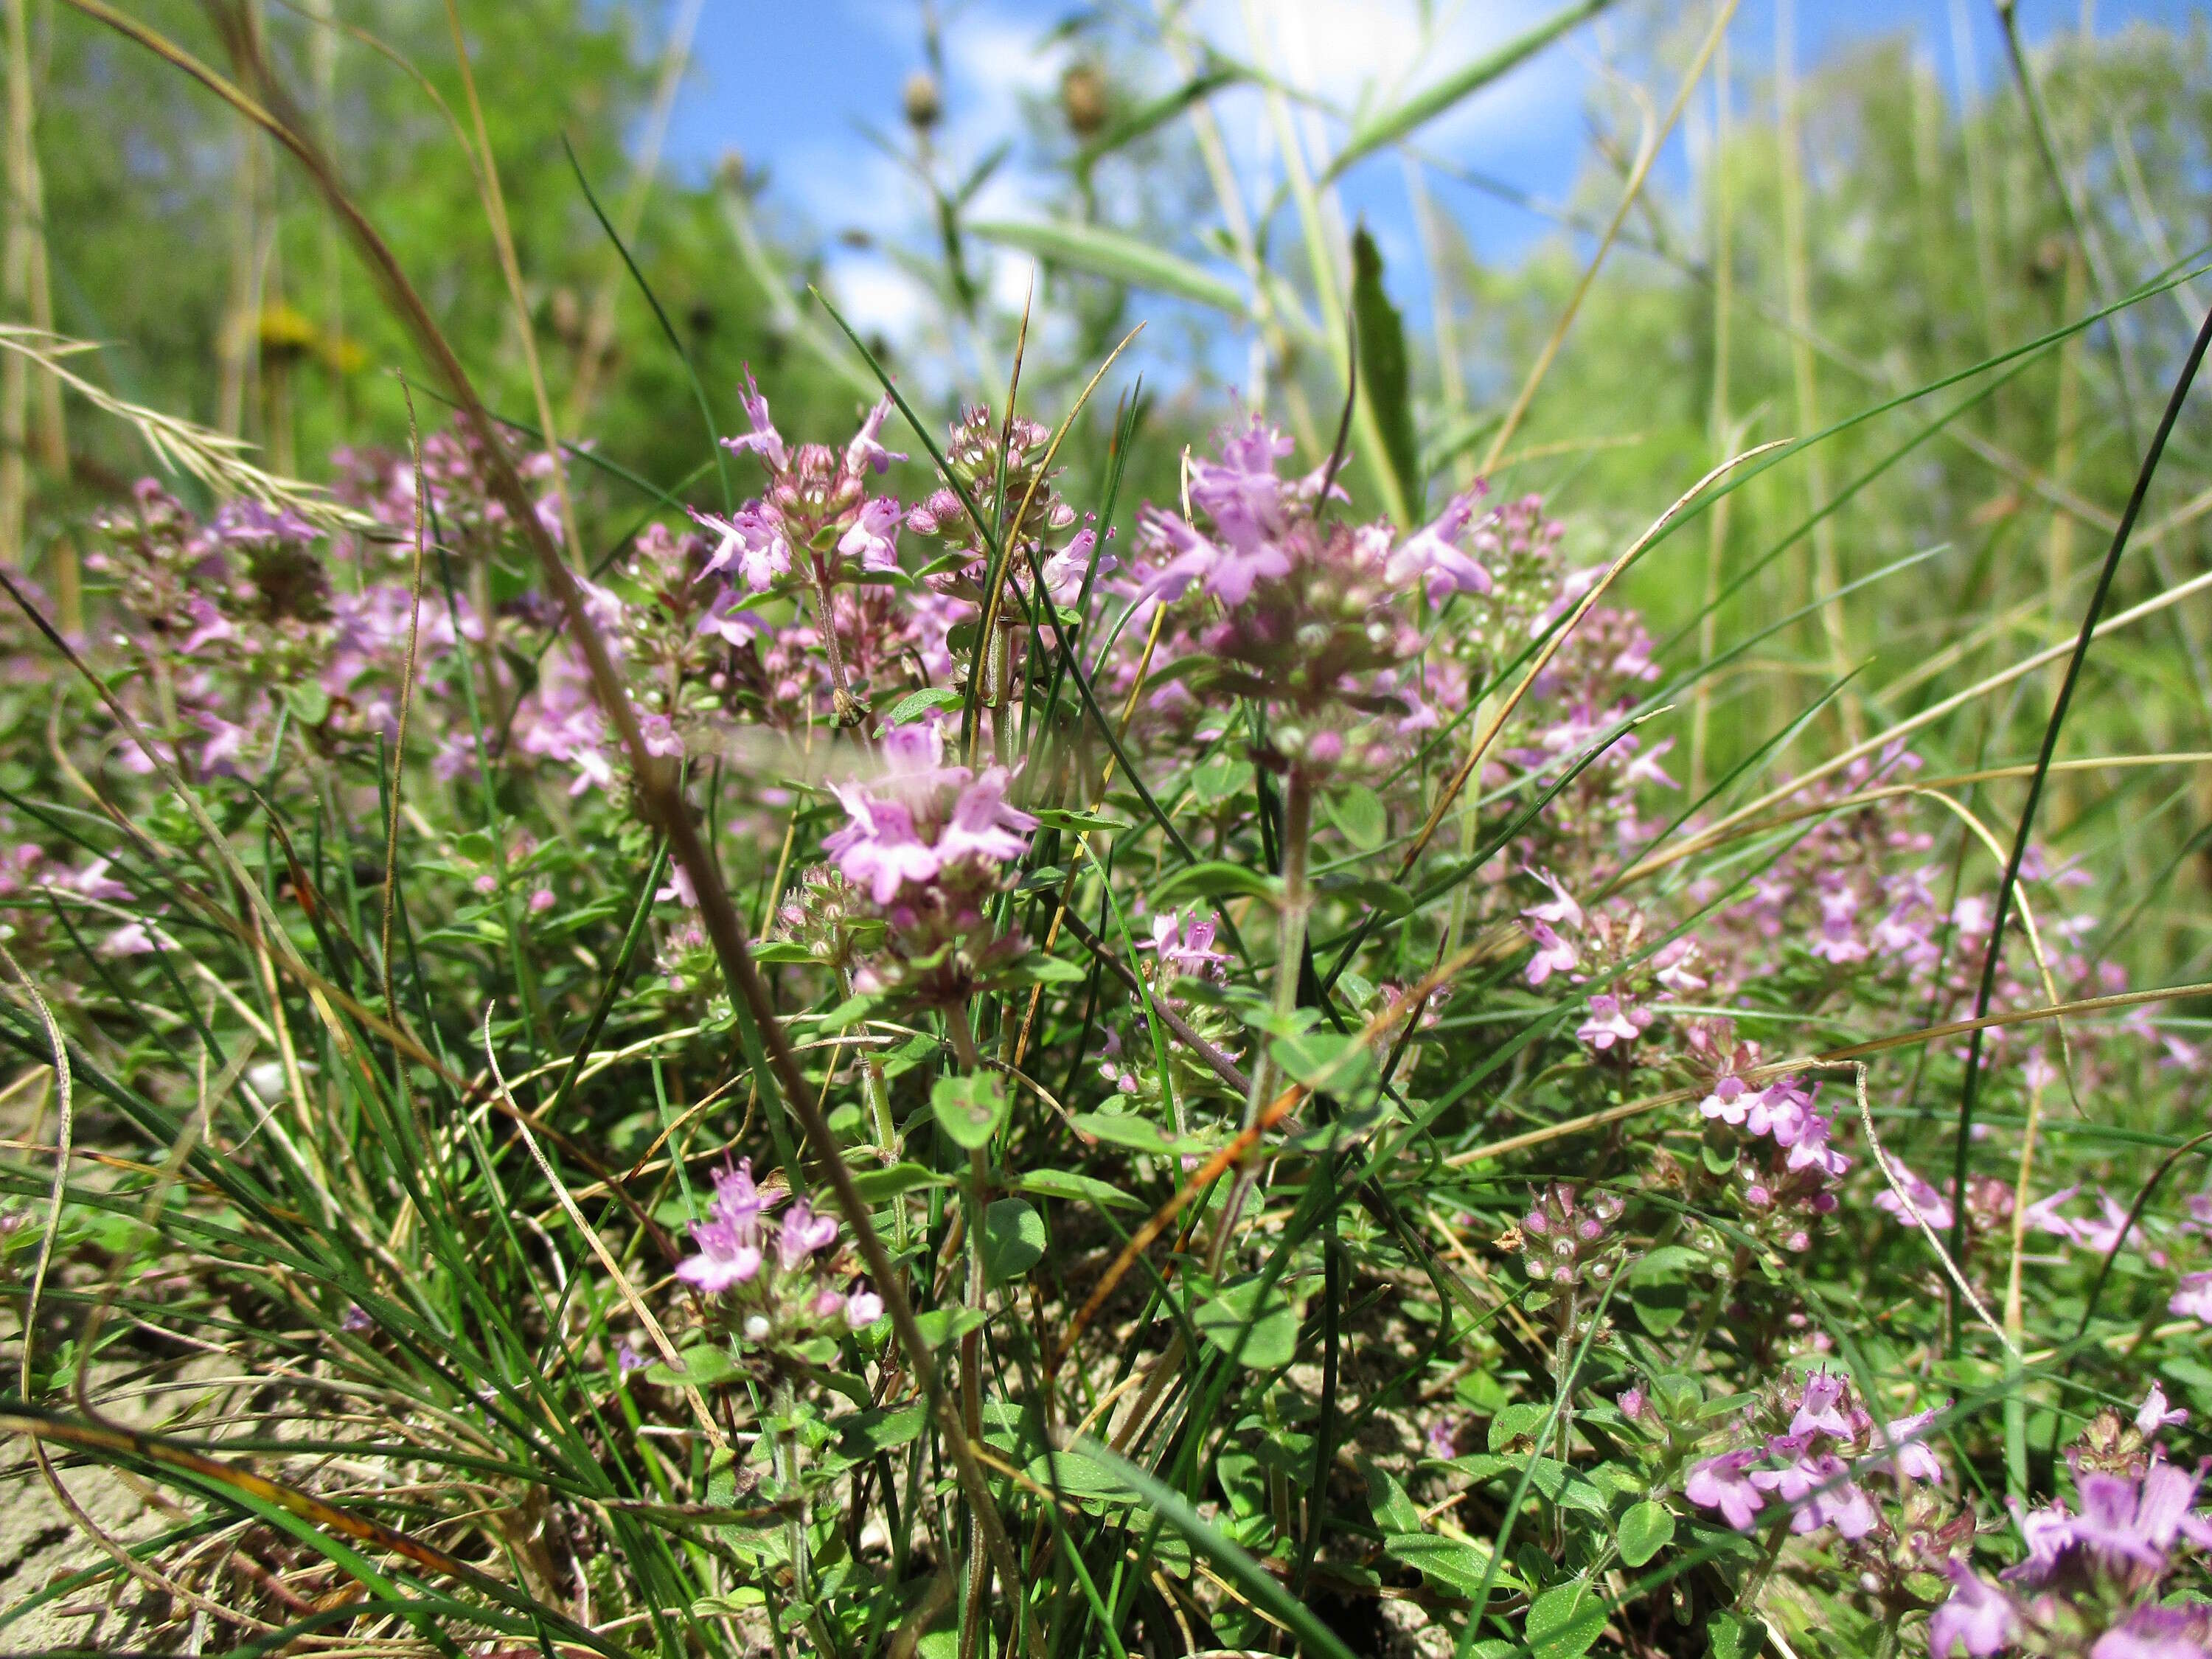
x,y
790,87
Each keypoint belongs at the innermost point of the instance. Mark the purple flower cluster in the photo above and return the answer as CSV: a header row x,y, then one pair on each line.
x,y
1568,1242
2095,1577
925,844
1181,945
1811,1468
780,1276
1608,945
920,822
1269,599
817,506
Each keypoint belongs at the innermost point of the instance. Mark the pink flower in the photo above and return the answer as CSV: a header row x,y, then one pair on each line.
x,y
93,881
659,734
763,439
1926,1204
133,938
1611,1022
984,826
1913,1459
1553,954
866,448
2157,1633
1432,554
724,1261
2192,1295
737,1199
1730,1100
1229,574
1820,1408
1978,1617
902,828
2155,1416
1561,908
1645,768
803,1233
1820,1491
1184,946
877,847
874,539
2104,1233
1810,1148
749,542
1721,1483
1779,1111
863,1308
2043,1214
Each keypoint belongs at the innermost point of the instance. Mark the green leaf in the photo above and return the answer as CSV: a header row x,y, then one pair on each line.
x,y
915,704
1222,778
970,1109
1388,898
1730,1638
1013,1239
704,1367
1387,126
876,1186
1038,968
1335,1061
1138,1134
1274,1324
1645,1529
942,1325
780,951
1083,1478
1660,1304
851,1011
1054,818
1214,878
1667,1261
1078,1188
863,1434
1519,1422
1358,811
1098,252
1384,381
310,703
1394,1512
1565,1620
1454,1565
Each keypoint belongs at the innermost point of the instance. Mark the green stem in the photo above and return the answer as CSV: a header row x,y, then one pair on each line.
x,y
786,1472
1290,954
875,1095
1291,927
974,1615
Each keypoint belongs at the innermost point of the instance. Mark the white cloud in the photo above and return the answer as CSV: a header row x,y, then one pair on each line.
x,y
876,296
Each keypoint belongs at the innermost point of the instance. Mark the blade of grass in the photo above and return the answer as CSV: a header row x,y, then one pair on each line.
x,y
2060,704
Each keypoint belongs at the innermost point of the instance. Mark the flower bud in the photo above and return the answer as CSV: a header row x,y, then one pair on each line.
x,y
922,101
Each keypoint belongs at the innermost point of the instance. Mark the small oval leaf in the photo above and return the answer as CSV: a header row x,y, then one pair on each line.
x,y
1013,1239
1565,1620
970,1109
1645,1529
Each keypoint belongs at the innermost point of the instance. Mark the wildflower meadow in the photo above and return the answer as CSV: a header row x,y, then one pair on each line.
x,y
1261,928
